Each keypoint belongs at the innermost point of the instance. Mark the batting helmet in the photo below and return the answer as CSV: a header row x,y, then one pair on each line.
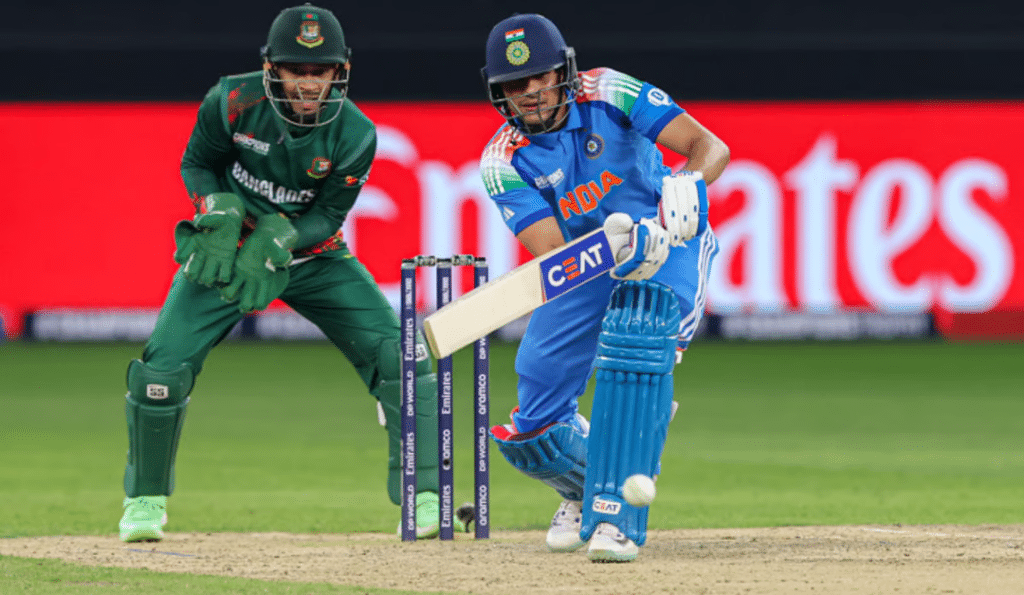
x,y
522,46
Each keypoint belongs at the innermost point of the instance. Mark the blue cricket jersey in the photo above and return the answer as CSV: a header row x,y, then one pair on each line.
x,y
604,160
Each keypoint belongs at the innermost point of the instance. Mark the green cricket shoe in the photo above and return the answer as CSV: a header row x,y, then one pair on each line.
x,y
144,518
428,517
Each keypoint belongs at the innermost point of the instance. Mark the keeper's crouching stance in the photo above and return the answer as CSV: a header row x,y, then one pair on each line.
x,y
341,298
274,164
580,151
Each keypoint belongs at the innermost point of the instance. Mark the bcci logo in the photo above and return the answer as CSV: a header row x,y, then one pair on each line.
x,y
517,53
320,168
594,146
309,31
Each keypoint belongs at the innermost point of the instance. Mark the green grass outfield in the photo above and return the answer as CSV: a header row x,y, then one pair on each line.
x,y
283,437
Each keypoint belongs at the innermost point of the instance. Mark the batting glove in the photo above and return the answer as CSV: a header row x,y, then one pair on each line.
x,y
639,248
683,208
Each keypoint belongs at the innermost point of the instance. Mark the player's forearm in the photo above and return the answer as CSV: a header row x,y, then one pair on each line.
x,y
542,236
199,182
315,226
709,156
704,151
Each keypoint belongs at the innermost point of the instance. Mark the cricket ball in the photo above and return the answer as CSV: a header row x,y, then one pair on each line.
x,y
639,490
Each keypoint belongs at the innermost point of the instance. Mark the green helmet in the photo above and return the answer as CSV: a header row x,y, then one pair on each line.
x,y
306,34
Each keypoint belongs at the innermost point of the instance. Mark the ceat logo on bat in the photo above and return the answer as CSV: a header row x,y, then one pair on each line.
x,y
576,264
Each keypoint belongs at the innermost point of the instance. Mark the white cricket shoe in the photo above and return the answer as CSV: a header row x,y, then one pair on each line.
x,y
608,544
564,534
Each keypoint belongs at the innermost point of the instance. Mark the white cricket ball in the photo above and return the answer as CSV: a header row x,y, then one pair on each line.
x,y
639,490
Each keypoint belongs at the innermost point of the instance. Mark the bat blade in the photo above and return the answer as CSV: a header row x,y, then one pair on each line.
x,y
517,293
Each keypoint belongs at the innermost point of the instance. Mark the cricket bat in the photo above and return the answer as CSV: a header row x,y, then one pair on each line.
x,y
517,293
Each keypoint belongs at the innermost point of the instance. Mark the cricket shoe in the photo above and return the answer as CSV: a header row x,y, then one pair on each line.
x,y
564,533
144,518
608,544
428,517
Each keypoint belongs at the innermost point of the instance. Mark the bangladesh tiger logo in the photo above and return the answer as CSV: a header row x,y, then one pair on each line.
x,y
309,31
320,168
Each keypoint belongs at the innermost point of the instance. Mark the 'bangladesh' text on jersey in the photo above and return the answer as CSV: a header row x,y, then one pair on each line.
x,y
312,175
608,141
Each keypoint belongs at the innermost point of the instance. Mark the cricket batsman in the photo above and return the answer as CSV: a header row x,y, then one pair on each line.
x,y
580,151
275,161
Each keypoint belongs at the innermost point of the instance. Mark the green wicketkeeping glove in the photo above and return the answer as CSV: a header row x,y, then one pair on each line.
x,y
207,244
261,267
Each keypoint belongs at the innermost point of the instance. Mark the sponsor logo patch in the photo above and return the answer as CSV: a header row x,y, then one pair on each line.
x,y
658,97
576,264
551,180
157,391
606,506
247,141
354,181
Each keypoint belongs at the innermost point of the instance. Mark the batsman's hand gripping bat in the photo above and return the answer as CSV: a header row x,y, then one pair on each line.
x,y
517,293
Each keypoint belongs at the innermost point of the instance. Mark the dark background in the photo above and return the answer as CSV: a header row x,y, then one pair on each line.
x,y
116,50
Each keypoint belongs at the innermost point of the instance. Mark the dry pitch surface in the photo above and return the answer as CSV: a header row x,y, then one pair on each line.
x,y
985,560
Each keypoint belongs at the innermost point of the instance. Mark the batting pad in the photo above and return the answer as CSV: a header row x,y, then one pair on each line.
x,y
632,402
555,456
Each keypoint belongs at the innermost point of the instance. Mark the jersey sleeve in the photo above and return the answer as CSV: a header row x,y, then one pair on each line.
x,y
646,108
209,149
520,204
338,195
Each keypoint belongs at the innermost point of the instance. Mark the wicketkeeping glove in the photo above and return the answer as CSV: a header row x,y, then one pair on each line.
x,y
683,209
261,267
206,245
639,248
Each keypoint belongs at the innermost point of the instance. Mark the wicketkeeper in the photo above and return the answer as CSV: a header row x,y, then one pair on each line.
x,y
580,152
275,162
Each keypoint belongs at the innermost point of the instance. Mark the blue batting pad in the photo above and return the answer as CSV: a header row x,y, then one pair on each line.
x,y
632,402
556,456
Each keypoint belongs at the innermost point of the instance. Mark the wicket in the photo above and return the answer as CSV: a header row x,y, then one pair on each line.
x,y
445,431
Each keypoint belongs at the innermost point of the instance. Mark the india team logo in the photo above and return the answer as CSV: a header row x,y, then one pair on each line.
x,y
517,53
320,168
594,146
309,31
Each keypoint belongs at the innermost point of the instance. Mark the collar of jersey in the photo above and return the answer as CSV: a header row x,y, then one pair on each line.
x,y
571,123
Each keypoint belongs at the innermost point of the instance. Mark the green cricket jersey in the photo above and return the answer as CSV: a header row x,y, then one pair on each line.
x,y
312,175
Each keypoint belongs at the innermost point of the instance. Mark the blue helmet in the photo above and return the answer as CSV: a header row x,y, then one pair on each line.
x,y
525,45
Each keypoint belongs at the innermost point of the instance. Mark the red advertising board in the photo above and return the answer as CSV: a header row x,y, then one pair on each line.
x,y
894,207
